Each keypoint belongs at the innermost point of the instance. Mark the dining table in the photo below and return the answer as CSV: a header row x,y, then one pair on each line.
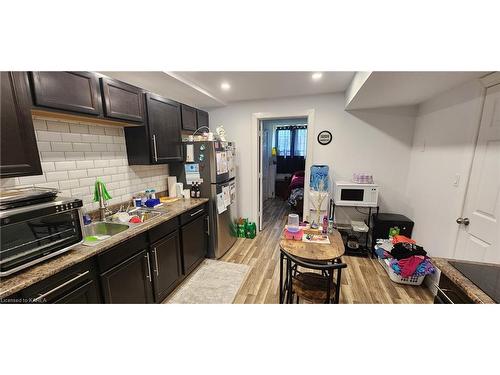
x,y
311,252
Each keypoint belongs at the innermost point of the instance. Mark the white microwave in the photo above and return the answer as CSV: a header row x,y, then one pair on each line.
x,y
347,193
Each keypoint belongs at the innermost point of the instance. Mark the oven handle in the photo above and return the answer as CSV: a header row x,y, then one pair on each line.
x,y
444,294
41,296
197,212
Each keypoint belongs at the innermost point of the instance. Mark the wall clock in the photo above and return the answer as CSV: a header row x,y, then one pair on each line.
x,y
324,137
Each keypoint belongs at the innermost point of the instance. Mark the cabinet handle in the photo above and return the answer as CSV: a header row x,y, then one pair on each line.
x,y
148,276
154,147
197,212
208,225
157,268
42,296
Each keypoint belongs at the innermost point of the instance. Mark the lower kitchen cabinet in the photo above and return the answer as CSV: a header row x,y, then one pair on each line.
x,y
194,243
77,284
166,265
129,281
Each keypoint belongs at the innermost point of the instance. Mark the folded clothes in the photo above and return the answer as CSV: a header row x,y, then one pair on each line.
x,y
400,238
403,250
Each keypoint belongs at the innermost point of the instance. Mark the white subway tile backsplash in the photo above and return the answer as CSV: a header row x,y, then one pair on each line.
x,y
56,176
98,147
90,138
61,146
48,166
94,172
85,164
56,126
79,128
105,139
98,130
78,173
111,131
31,180
52,156
43,135
65,165
102,163
82,147
74,155
44,146
71,137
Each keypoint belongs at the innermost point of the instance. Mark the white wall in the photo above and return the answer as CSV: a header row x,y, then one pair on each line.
x,y
444,140
376,141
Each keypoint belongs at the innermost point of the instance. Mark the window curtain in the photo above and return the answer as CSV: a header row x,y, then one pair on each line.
x,y
291,140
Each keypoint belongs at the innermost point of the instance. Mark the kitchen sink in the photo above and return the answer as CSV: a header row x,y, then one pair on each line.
x,y
99,231
145,214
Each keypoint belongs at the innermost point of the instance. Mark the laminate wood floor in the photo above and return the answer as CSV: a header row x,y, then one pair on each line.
x,y
364,280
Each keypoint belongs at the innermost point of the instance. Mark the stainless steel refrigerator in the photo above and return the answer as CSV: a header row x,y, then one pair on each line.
x,y
214,163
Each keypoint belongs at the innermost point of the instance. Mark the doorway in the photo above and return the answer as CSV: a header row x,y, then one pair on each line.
x,y
282,163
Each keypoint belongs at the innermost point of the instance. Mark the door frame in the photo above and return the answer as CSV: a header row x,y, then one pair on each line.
x,y
256,159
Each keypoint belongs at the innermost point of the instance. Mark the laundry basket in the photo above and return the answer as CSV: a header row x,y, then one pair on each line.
x,y
413,280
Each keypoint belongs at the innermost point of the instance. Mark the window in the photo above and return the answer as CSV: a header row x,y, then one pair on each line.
x,y
291,141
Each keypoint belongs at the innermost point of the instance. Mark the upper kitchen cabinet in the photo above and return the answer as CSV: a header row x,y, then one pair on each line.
x,y
19,151
202,117
159,142
69,91
122,101
189,118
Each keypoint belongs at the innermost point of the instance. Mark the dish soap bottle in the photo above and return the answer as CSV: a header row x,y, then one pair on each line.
x,y
198,190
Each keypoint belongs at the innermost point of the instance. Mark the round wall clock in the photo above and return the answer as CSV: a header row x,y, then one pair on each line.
x,y
324,137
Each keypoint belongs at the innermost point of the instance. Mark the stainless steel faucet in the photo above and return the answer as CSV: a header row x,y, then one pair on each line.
x,y
103,209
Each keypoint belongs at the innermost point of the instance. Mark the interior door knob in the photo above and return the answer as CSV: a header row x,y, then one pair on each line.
x,y
463,220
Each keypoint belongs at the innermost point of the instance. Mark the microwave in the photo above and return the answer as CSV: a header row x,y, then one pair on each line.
x,y
36,232
347,193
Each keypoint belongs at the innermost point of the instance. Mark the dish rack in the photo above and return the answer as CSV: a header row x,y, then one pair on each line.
x,y
413,280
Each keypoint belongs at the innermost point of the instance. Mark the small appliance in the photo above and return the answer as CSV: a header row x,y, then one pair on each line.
x,y
30,234
383,222
347,193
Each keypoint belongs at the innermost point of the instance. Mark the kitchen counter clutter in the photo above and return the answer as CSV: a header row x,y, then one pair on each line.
x,y
180,231
460,283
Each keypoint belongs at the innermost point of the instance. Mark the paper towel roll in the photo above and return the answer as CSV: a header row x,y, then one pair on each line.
x,y
171,181
179,187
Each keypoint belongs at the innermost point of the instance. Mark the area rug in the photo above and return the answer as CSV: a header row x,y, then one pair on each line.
x,y
213,282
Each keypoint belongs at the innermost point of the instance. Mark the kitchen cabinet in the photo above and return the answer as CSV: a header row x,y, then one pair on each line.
x,y
19,151
69,91
122,101
166,265
202,118
77,284
159,142
189,118
194,242
129,281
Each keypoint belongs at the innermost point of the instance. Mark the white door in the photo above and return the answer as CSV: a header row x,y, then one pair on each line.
x,y
480,239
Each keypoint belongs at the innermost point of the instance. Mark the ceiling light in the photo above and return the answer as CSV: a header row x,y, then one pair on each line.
x,y
225,86
317,76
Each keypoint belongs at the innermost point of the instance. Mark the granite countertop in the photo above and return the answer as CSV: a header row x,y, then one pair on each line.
x,y
468,287
18,281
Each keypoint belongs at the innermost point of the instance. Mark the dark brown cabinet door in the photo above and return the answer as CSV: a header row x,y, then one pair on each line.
x,y
202,118
129,282
189,120
164,121
69,91
166,265
86,293
122,101
194,243
19,151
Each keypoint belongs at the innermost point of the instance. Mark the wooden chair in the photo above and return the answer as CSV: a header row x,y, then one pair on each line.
x,y
314,287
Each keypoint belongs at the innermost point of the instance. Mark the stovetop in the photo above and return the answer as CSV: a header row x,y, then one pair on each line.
x,y
485,276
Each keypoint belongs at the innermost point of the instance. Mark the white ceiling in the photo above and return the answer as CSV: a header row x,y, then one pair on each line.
x,y
391,89
165,85
264,85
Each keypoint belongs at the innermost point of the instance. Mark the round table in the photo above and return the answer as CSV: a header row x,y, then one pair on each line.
x,y
315,252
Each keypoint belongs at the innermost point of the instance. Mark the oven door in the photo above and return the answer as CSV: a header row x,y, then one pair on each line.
x,y
29,241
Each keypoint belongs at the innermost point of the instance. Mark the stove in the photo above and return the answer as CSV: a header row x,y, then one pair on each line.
x,y
485,276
